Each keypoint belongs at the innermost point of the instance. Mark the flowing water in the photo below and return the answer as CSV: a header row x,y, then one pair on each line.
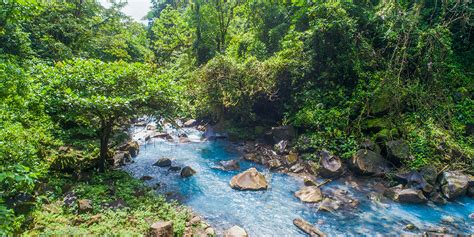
x,y
271,212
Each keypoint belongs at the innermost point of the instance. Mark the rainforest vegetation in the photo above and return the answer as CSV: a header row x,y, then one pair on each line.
x,y
74,73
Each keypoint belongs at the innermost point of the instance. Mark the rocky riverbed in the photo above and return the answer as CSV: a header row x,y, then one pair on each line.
x,y
334,196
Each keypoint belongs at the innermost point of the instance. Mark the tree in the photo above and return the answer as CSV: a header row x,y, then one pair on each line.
x,y
100,96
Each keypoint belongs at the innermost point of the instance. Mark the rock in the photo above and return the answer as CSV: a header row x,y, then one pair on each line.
x,y
398,151
163,162
367,162
190,123
151,127
132,147
309,182
291,158
438,198
430,174
184,140
201,128
161,229
230,164
447,219
297,168
308,228
309,194
378,124
280,147
414,179
454,184
470,192
381,103
250,179
120,158
410,227
117,204
84,205
330,166
163,136
174,168
283,133
235,231
369,145
70,198
210,231
274,164
195,220
330,205
407,195
187,172
146,177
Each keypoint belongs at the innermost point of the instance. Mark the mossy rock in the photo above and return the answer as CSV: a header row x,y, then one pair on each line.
x,y
378,124
381,103
385,134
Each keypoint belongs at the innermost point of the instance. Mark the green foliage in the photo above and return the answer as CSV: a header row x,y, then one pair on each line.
x,y
142,207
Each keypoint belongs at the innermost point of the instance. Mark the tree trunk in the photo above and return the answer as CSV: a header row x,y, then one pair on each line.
x,y
105,131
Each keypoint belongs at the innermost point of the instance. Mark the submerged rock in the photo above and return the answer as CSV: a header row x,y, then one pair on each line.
x,y
330,166
250,179
161,229
308,228
454,184
230,165
163,162
235,231
187,172
367,162
310,194
146,177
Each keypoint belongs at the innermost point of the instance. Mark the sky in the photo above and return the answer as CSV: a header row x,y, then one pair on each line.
x,y
137,9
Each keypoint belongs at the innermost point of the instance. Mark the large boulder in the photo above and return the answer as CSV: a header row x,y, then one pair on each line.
x,y
367,162
330,166
161,229
235,231
286,132
370,145
163,162
310,194
187,172
405,195
230,165
250,179
454,184
308,228
398,151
